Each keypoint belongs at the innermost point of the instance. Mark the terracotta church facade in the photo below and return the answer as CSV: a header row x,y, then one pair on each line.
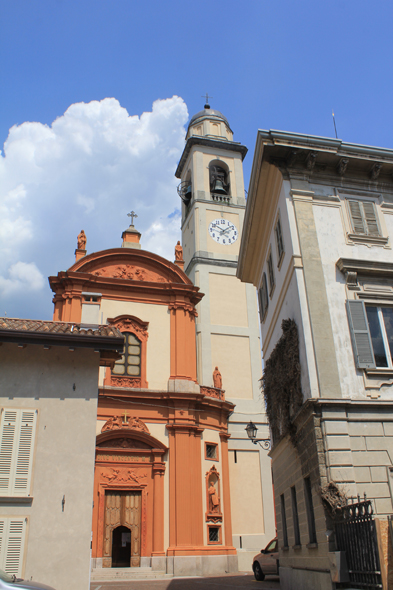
x,y
161,486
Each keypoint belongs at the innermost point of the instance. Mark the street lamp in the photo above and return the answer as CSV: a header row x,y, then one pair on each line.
x,y
252,431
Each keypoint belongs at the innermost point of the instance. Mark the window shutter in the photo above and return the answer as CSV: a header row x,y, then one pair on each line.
x,y
17,436
361,339
371,218
357,218
12,542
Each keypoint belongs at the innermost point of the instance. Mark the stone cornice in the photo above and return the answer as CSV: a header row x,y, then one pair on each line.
x,y
365,267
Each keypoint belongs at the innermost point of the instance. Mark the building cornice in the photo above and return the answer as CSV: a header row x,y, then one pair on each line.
x,y
370,267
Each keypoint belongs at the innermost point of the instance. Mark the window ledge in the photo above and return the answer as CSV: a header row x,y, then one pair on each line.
x,y
285,548
296,547
16,499
380,371
279,264
312,545
365,239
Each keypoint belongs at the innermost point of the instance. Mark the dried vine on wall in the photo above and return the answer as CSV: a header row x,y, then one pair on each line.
x,y
281,382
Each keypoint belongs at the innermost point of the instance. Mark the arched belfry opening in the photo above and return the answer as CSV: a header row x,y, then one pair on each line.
x,y
219,178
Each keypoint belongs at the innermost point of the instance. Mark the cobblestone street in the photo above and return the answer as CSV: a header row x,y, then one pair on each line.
x,y
232,582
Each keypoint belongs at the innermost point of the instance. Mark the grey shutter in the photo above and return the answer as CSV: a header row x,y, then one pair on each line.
x,y
357,217
371,219
360,334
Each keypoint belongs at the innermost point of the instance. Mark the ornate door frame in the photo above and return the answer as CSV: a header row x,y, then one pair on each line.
x,y
129,459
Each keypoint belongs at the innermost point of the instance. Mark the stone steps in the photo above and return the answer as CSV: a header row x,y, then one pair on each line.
x,y
112,574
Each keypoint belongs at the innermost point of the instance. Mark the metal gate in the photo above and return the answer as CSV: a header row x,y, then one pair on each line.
x,y
357,536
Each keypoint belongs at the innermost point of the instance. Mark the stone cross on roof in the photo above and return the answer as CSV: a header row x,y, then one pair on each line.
x,y
132,215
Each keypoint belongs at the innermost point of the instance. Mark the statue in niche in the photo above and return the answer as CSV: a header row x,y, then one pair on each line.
x,y
82,240
214,500
178,252
217,379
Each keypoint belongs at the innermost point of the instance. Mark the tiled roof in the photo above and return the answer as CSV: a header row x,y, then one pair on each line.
x,y
57,328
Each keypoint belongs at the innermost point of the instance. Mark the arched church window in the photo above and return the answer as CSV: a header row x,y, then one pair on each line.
x,y
219,179
130,369
130,362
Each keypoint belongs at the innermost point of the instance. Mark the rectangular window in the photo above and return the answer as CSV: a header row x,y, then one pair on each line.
x,y
310,511
284,521
380,323
372,334
211,451
214,535
279,241
364,218
263,298
295,517
271,273
12,542
17,433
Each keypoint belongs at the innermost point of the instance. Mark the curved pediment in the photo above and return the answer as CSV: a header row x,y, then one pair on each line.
x,y
124,438
131,265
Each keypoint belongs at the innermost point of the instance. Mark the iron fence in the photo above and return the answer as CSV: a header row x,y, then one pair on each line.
x,y
356,535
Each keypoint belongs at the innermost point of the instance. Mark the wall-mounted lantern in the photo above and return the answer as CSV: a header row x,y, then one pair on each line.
x,y
252,432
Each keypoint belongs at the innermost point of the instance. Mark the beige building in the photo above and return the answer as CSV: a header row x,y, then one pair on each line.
x,y
227,330
48,400
317,244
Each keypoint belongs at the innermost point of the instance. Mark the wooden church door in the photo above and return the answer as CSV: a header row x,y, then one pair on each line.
x,y
122,529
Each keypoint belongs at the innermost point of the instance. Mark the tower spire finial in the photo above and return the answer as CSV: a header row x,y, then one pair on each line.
x,y
206,97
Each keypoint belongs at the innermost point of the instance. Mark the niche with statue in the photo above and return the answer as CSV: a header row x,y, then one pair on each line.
x,y
213,496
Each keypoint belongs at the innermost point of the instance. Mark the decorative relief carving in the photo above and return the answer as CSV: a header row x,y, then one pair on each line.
x,y
352,280
123,476
213,392
130,272
310,160
131,382
129,324
133,423
375,170
185,306
342,166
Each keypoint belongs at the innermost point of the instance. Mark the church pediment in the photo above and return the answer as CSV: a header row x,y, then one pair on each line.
x,y
131,265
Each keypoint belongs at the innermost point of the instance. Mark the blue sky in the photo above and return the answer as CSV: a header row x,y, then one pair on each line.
x,y
267,64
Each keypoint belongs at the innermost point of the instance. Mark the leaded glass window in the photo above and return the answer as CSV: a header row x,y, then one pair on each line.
x,y
130,362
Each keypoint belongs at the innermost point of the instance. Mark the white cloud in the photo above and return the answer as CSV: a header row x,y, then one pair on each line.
x,y
22,277
87,170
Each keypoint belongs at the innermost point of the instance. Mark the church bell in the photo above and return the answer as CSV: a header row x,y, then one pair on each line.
x,y
218,187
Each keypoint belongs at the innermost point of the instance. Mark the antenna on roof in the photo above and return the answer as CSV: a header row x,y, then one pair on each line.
x,y
334,121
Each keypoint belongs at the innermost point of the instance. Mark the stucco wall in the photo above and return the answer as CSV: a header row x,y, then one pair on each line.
x,y
58,542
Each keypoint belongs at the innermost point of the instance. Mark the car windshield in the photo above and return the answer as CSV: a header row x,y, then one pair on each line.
x,y
6,577
272,546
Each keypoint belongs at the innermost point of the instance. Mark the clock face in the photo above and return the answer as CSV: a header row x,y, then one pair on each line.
x,y
223,231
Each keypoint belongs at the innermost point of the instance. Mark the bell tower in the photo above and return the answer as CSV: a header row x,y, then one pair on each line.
x,y
227,327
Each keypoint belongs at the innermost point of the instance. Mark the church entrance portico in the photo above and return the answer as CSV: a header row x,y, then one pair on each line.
x,y
128,496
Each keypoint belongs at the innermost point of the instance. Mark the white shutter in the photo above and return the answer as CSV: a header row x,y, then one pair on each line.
x,y
360,334
17,432
12,543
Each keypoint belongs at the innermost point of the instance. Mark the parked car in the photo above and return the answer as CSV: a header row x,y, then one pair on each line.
x,y
266,562
8,582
